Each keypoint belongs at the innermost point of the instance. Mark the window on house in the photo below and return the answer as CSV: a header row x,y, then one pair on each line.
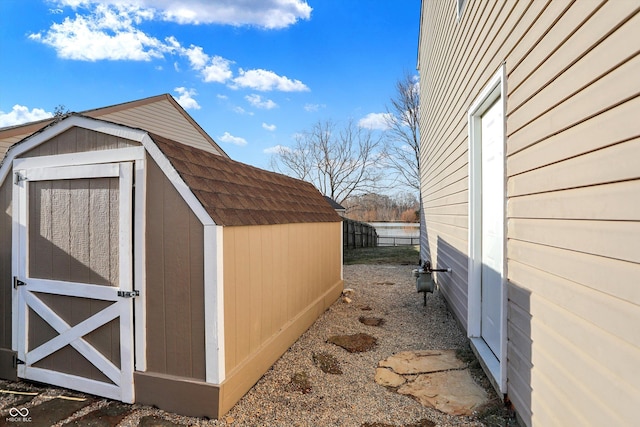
x,y
460,7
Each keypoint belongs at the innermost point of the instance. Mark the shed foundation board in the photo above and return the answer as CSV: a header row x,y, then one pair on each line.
x,y
176,394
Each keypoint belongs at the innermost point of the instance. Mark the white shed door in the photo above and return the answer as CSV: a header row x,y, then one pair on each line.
x,y
75,313
492,225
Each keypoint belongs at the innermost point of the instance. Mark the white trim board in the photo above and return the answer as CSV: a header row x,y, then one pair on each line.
x,y
495,90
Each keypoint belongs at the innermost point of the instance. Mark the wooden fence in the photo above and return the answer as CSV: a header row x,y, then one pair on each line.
x,y
358,234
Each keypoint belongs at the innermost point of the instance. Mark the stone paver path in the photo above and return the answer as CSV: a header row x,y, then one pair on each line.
x,y
436,378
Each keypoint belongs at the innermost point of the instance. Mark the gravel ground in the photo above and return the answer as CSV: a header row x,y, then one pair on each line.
x,y
352,398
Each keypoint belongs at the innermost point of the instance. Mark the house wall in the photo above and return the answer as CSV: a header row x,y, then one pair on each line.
x,y
277,280
573,191
157,113
174,281
162,117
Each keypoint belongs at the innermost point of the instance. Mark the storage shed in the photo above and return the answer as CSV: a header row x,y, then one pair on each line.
x,y
146,270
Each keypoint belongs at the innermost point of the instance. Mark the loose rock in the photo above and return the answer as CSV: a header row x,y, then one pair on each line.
x,y
327,363
371,321
355,343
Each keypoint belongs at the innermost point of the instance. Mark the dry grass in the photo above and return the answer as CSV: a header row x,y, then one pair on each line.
x,y
404,255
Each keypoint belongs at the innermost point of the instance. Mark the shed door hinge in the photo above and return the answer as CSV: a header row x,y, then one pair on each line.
x,y
129,294
17,361
17,282
19,177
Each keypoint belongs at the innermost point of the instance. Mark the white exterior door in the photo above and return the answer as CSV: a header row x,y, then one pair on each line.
x,y
486,296
492,234
73,281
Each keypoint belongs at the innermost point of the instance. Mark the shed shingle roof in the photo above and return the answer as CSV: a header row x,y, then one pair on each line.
x,y
234,193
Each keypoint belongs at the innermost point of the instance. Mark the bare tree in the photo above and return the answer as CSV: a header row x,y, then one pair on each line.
x,y
402,146
60,111
338,161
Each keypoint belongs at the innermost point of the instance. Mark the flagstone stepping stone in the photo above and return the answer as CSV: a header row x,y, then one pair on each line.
x,y
371,321
53,411
422,361
327,363
387,378
106,416
451,392
151,421
355,343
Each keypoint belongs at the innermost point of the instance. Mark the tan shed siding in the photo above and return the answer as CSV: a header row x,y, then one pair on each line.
x,y
272,273
174,282
573,189
5,262
163,119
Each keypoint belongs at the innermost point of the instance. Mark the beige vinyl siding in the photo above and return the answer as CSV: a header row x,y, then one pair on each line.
x,y
277,280
573,192
163,119
574,216
159,114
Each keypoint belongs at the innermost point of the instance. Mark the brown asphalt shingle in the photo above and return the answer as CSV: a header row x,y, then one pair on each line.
x,y
234,193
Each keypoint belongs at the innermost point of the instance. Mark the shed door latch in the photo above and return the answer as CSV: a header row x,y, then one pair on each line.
x,y
17,282
129,294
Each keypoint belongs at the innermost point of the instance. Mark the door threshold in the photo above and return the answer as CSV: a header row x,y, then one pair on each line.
x,y
489,362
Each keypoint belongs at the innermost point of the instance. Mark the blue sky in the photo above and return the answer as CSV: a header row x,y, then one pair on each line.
x,y
252,73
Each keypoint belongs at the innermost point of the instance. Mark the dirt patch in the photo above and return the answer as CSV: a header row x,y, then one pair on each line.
x,y
371,321
327,363
384,283
356,343
366,308
300,382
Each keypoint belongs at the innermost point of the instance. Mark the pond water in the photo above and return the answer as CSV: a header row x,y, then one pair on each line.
x,y
397,233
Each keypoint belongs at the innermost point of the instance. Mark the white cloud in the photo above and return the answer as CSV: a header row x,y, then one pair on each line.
x,y
108,32
221,96
268,127
311,108
20,114
277,149
258,102
217,70
239,110
265,80
236,140
186,99
269,14
377,121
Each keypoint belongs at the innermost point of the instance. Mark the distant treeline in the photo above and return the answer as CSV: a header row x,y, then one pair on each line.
x,y
379,207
